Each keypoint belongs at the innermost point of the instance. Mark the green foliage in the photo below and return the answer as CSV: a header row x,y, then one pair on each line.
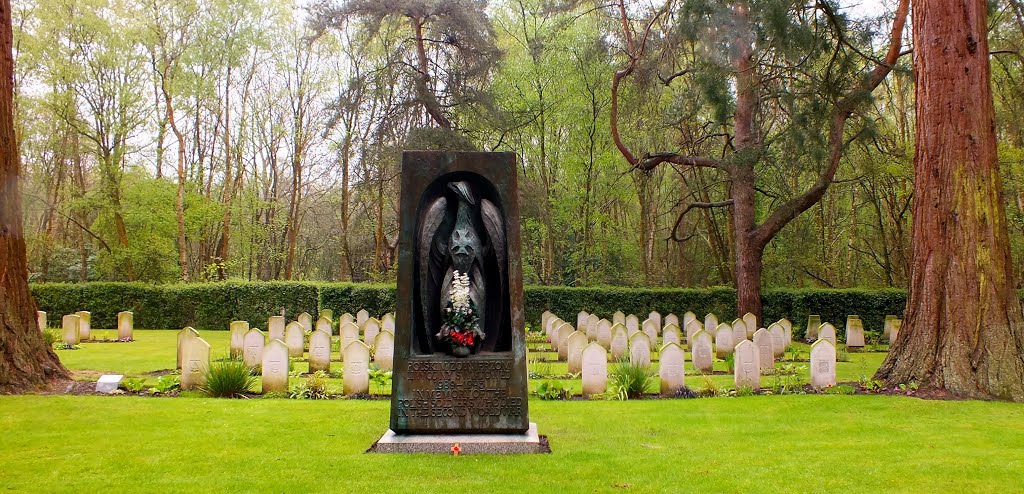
x,y
379,378
840,389
215,305
228,379
166,384
789,378
52,337
553,390
631,381
135,385
314,387
730,361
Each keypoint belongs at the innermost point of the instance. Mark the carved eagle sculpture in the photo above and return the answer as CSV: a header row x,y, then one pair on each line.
x,y
472,240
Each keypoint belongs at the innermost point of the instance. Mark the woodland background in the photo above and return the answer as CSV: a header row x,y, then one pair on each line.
x,y
281,126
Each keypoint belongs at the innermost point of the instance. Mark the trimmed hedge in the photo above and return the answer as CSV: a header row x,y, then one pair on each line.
x,y
215,305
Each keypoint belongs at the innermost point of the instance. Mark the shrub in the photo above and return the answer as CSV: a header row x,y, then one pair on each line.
x,y
134,385
52,337
379,378
553,390
166,384
631,381
228,379
314,387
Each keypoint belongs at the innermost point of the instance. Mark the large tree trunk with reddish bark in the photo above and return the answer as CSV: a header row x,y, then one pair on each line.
x,y
964,330
25,360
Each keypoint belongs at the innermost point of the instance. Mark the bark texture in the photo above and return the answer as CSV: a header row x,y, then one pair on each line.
x,y
25,360
964,330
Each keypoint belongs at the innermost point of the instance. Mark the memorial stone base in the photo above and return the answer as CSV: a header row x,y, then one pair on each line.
x,y
526,443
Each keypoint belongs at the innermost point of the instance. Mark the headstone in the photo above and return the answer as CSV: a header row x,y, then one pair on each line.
x,y
620,342
813,323
108,383
326,314
183,336
295,339
238,330
765,349
650,328
640,349
889,319
550,326
723,340
349,332
275,327
595,369
553,337
750,320
71,323
689,316
671,363
563,341
275,367
671,320
747,369
788,326
656,317
603,335
84,325
306,321
618,317
739,331
827,332
346,317
41,320
544,317
672,335
703,358
320,351
324,324
384,350
895,331
711,323
371,328
356,378
361,317
195,362
691,329
459,212
581,320
591,325
632,323
823,364
388,323
778,338
252,354
577,342
125,325
854,332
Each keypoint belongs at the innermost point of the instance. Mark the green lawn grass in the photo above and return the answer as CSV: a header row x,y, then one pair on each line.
x,y
811,443
802,443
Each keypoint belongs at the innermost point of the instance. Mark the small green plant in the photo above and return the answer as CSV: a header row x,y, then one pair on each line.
x,y
136,385
228,379
380,379
789,378
710,389
552,390
539,369
166,384
313,387
794,353
909,387
730,361
743,391
51,337
842,354
631,381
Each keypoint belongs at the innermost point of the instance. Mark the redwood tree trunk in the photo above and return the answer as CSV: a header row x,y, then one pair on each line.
x,y
964,330
25,360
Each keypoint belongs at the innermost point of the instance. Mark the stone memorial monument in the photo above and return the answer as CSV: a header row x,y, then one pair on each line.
x,y
125,325
460,351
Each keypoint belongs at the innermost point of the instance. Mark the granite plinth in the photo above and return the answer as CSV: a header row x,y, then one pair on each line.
x,y
526,443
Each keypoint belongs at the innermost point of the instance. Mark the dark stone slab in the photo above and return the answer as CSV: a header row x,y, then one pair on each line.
x,y
432,391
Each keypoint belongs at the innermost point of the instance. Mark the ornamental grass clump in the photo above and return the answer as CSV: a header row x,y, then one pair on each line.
x,y
631,381
228,379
